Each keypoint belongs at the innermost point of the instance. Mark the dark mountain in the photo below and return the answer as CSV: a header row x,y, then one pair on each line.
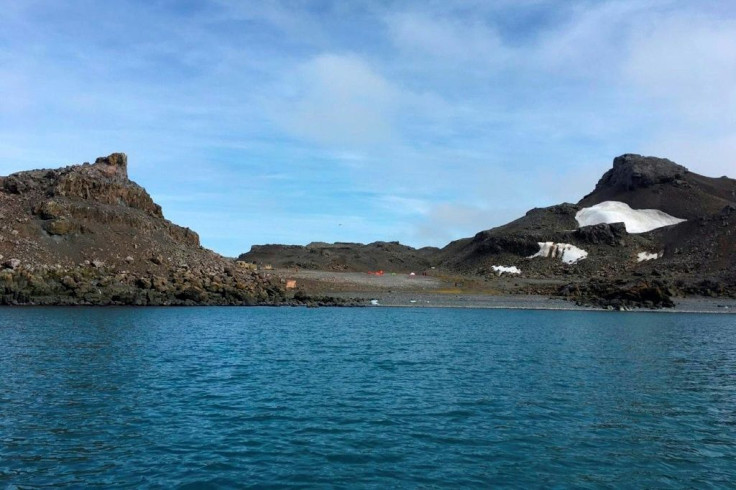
x,y
355,257
86,234
615,267
658,183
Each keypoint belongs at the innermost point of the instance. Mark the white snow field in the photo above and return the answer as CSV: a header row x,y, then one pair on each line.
x,y
636,220
502,269
567,253
642,256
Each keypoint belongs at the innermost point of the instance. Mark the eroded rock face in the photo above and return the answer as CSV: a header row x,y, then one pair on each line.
x,y
621,294
86,234
98,284
632,171
105,181
610,234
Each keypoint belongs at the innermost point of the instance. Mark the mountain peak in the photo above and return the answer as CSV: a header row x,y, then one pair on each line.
x,y
631,171
113,164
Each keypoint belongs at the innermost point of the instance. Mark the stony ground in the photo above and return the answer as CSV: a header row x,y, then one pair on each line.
x,y
402,290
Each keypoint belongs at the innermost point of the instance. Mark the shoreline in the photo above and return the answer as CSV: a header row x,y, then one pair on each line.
x,y
713,306
407,299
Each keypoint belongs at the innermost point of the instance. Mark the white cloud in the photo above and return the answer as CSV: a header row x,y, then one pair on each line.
x,y
406,206
448,221
462,114
338,100
688,62
451,38
712,155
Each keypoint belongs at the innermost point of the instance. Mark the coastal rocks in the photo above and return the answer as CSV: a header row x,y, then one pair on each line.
x,y
86,234
100,285
621,294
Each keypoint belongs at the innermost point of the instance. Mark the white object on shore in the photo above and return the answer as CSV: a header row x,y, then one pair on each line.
x,y
502,269
566,252
642,256
374,302
635,220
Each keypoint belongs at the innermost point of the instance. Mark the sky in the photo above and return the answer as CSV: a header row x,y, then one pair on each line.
x,y
417,121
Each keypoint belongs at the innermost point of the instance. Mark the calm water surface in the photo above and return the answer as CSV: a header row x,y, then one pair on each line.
x,y
233,397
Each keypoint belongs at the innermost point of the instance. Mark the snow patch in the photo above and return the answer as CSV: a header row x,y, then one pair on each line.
x,y
642,256
636,220
502,269
567,253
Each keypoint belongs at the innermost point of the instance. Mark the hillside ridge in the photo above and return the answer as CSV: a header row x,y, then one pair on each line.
x,y
87,234
651,229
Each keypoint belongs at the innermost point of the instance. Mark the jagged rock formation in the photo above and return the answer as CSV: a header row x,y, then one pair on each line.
x,y
86,234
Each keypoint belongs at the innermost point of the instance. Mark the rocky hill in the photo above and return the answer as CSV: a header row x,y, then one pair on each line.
x,y
658,183
86,234
650,230
352,257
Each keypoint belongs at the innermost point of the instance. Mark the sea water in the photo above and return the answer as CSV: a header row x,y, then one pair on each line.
x,y
368,397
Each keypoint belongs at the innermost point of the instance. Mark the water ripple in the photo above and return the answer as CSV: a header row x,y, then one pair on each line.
x,y
230,397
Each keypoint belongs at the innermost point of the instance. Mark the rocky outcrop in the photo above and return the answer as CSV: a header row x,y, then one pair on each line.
x,y
86,234
104,182
613,234
621,294
631,172
96,283
658,183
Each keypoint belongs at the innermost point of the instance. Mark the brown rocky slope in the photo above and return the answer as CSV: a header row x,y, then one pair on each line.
x,y
86,234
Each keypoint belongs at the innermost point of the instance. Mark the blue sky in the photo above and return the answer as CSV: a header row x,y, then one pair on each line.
x,y
298,121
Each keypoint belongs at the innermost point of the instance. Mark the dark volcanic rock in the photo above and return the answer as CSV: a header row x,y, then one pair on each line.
x,y
658,183
632,172
507,244
86,234
613,234
621,270
621,294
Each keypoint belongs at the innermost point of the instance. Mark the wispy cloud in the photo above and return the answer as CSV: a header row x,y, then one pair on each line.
x,y
418,121
338,100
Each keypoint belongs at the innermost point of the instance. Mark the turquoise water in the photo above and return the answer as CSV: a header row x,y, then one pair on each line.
x,y
371,397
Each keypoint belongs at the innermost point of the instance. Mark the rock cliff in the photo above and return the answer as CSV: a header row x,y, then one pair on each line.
x,y
86,234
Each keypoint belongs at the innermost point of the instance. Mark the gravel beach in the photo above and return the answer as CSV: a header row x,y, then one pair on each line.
x,y
403,290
